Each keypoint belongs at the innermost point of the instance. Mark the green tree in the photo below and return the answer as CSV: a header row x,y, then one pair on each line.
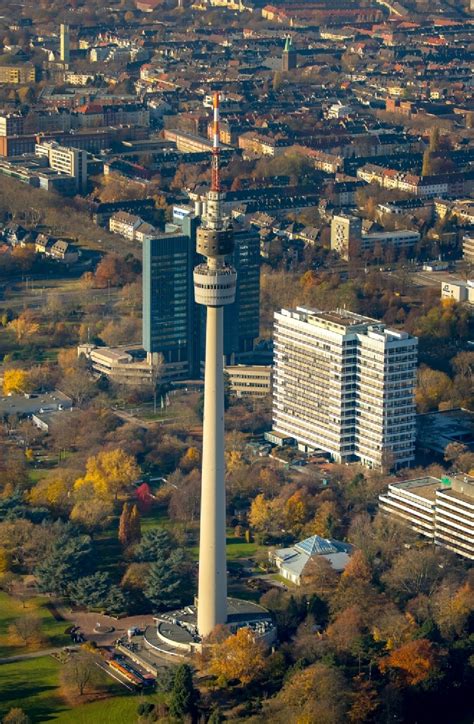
x,y
154,544
91,591
183,694
167,584
66,562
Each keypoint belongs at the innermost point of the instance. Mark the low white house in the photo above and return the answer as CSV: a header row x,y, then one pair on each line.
x,y
291,562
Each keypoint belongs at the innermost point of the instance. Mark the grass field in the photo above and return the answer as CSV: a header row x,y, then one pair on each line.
x,y
10,609
117,710
31,685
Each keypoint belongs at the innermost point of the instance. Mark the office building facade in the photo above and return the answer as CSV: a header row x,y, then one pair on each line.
x,y
168,306
344,384
441,510
66,160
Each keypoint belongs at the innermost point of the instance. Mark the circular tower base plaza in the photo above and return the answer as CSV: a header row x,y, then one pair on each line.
x,y
176,632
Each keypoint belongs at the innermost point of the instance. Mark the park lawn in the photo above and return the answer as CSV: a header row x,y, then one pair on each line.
x,y
157,517
237,548
117,710
35,474
32,685
10,609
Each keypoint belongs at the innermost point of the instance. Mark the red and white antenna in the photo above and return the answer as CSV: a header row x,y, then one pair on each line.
x,y
215,176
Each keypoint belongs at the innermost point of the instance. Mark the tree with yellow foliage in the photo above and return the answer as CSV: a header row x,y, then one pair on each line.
x,y
295,513
15,380
54,491
110,473
23,326
262,514
325,522
241,656
190,459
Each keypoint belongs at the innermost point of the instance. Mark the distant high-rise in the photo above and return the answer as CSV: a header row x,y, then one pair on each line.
x,y
168,304
65,54
168,294
343,383
289,57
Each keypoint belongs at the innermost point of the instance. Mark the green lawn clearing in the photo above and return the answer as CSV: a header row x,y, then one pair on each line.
x,y
33,686
117,710
11,609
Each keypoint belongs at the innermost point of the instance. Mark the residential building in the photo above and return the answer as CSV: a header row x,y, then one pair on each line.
x,y
441,510
468,246
66,160
344,384
348,239
11,124
249,380
124,224
18,74
295,562
346,232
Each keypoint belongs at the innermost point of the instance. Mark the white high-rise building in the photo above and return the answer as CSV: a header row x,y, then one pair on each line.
x,y
344,384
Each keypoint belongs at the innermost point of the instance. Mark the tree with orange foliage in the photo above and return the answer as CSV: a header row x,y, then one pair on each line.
x,y
413,662
358,567
241,656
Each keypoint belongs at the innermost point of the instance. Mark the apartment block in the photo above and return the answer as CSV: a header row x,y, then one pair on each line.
x,y
441,510
468,246
348,239
66,160
346,232
16,74
344,384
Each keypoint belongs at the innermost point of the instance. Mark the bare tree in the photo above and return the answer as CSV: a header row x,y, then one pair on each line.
x,y
80,671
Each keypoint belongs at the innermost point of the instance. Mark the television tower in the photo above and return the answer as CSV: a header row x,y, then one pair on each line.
x,y
214,286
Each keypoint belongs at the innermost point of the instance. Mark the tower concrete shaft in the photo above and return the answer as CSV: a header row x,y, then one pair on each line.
x,y
214,286
212,592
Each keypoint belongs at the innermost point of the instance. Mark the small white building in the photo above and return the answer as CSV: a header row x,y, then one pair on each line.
x,y
292,562
458,291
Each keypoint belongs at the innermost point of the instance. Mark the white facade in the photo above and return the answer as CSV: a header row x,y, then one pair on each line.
x,y
458,291
66,160
441,510
345,384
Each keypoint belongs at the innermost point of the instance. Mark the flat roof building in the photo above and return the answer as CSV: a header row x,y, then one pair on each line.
x,y
441,510
344,384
